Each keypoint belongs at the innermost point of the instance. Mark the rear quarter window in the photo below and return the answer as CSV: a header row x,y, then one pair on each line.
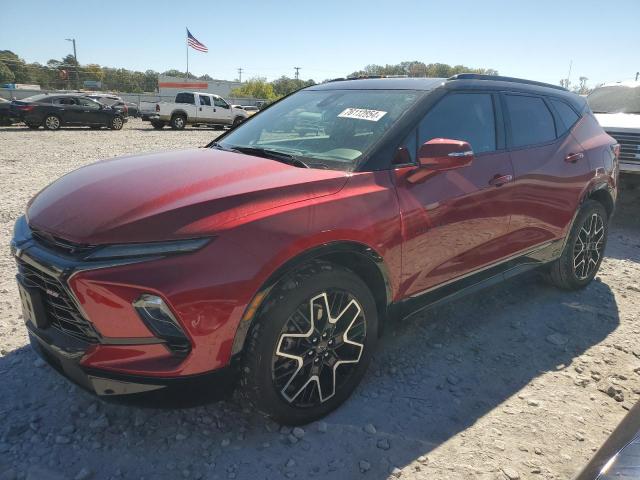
x,y
531,120
186,98
568,116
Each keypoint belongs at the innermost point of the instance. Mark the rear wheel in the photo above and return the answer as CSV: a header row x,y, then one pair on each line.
x,y
237,121
157,125
584,250
311,344
178,122
116,123
51,122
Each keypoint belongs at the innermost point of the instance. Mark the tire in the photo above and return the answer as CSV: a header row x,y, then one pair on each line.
x,y
178,121
52,122
116,123
334,360
584,249
237,121
33,126
157,125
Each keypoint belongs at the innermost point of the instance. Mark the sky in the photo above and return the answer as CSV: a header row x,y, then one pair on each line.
x,y
534,39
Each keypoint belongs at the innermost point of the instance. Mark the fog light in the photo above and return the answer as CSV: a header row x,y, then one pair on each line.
x,y
157,316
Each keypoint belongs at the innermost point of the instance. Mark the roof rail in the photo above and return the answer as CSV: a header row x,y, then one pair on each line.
x,y
498,78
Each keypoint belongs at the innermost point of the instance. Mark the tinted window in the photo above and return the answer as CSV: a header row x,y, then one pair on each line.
x,y
531,120
88,103
64,101
185,98
567,115
218,102
204,100
462,116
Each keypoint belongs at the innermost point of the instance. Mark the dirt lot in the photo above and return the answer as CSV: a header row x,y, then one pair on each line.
x,y
514,382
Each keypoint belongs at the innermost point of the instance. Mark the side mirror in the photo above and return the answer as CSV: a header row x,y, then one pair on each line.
x,y
442,154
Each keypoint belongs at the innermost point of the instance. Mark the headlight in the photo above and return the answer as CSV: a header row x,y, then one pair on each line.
x,y
127,250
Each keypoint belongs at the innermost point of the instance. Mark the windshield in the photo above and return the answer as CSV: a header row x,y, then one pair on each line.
x,y
324,128
615,99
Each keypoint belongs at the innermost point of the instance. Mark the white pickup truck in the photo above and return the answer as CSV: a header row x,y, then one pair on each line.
x,y
617,108
196,108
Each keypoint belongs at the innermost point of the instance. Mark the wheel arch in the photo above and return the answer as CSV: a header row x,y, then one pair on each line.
x,y
179,112
364,261
602,194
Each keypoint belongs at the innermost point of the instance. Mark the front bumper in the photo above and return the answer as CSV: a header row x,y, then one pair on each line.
x,y
628,167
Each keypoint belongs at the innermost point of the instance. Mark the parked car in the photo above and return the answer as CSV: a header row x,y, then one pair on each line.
x,y
617,108
55,111
117,103
250,109
274,259
5,116
195,108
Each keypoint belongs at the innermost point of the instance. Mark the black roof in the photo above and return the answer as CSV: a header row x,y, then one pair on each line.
x,y
465,81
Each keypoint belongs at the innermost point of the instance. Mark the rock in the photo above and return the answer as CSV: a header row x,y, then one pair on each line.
x,y
396,472
290,463
633,288
364,466
557,339
225,442
93,408
292,439
537,451
298,432
285,430
383,444
370,429
83,474
180,437
510,473
533,403
99,423
453,380
423,459
62,440
39,363
322,427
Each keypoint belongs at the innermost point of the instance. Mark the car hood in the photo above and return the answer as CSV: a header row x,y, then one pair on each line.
x,y
171,195
618,121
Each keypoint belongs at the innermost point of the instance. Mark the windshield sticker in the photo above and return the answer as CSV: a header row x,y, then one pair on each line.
x,y
362,114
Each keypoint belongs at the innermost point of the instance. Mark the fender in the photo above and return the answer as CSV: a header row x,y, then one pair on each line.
x,y
353,255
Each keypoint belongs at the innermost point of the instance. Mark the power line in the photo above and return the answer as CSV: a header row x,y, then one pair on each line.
x,y
240,75
297,69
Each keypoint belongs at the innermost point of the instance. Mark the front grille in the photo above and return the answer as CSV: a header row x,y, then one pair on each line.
x,y
629,145
60,245
62,311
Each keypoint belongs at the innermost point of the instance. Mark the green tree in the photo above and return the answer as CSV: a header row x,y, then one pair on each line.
x,y
6,75
255,88
285,85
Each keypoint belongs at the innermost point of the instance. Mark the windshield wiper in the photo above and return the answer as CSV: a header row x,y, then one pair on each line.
x,y
271,154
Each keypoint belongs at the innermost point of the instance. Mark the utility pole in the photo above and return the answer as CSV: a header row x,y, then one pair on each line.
x,y
240,75
569,74
75,56
637,75
297,69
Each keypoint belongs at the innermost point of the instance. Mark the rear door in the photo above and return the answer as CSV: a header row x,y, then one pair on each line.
x,y
68,110
205,109
222,111
456,221
550,167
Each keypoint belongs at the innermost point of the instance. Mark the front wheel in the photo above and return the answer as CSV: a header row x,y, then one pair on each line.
x,y
311,345
157,125
584,249
116,123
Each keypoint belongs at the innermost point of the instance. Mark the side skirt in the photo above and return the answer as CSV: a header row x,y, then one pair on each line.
x,y
477,280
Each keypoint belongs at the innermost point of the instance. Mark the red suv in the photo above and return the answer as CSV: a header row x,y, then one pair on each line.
x,y
274,256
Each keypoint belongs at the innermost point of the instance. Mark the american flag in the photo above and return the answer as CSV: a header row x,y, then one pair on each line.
x,y
195,44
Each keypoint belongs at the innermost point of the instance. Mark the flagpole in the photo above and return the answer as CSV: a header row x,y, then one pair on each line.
x,y
187,41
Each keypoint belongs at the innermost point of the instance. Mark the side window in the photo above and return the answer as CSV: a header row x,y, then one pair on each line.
x,y
204,100
88,103
566,113
64,101
531,120
462,116
186,98
219,102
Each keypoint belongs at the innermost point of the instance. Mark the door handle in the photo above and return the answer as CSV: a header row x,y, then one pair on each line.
x,y
499,180
574,157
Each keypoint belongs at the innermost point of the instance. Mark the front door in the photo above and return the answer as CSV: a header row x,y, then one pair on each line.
x,y
90,112
456,221
222,111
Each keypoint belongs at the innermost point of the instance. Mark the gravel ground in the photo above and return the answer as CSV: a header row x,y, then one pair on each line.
x,y
519,381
